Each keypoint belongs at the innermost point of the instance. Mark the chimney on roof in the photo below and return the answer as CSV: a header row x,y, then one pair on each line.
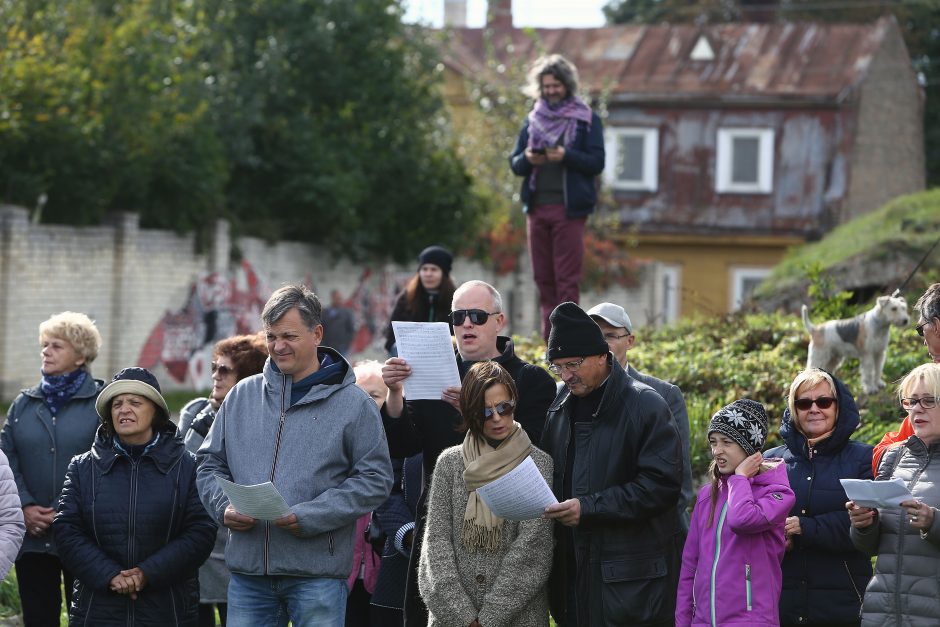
x,y
455,13
499,15
760,11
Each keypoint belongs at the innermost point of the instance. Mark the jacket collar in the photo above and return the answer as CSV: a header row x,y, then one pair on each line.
x,y
275,380
164,454
90,388
918,448
847,421
507,352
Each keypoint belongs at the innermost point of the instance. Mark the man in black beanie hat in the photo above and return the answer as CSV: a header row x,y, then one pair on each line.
x,y
618,474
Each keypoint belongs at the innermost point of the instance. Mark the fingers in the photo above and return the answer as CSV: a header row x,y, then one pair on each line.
x,y
237,522
395,371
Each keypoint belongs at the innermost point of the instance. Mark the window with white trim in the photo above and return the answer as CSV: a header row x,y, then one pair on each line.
x,y
743,283
745,161
632,158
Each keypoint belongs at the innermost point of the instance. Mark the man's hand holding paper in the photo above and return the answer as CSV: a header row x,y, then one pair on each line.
x,y
427,350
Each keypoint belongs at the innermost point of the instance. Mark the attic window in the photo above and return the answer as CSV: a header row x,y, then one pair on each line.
x,y
702,50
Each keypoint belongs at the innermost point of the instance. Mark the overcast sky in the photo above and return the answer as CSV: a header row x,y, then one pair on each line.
x,y
546,13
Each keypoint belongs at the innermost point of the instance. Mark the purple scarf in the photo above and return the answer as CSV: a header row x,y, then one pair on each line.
x,y
58,389
549,126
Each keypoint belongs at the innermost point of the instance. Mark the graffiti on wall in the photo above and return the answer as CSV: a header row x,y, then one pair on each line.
x,y
219,306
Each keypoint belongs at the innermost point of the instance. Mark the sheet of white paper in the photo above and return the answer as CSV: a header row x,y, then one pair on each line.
x,y
520,494
261,501
869,493
428,349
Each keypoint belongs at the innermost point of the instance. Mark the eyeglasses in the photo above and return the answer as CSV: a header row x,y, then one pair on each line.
x,y
920,328
614,336
223,371
927,402
477,316
823,402
571,366
503,409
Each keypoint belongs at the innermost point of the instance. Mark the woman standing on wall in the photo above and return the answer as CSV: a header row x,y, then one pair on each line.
x,y
46,426
428,294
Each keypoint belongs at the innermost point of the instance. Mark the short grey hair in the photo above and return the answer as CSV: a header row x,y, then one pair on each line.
x,y
929,303
497,299
556,65
290,297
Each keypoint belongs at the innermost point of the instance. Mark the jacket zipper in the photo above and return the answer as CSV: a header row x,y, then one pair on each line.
x,y
277,446
718,528
55,453
854,587
131,530
747,580
901,534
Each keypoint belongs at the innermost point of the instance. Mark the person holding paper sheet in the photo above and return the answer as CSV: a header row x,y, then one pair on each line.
x,y
130,525
303,425
904,590
477,569
823,573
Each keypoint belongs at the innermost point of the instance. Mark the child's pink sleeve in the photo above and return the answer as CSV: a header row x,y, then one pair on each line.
x,y
747,514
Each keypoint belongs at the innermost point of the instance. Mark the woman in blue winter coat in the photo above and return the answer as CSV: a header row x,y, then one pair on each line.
x,y
130,524
824,575
731,561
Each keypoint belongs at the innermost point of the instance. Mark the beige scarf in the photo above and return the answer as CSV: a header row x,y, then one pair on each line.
x,y
483,464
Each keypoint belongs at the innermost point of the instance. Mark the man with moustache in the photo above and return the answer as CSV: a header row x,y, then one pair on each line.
x,y
428,426
617,478
305,426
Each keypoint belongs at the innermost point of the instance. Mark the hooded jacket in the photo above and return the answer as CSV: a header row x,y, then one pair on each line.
x,y
905,590
116,513
824,575
40,446
731,567
326,454
626,473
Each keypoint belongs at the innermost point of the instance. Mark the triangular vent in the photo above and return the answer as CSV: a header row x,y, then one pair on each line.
x,y
702,50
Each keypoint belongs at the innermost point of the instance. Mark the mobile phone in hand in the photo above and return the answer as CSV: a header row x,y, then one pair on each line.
x,y
538,151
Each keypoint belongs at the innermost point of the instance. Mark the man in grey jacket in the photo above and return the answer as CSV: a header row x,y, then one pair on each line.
x,y
617,328
305,426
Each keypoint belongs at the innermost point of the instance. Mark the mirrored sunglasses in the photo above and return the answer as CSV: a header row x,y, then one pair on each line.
x,y
222,370
503,409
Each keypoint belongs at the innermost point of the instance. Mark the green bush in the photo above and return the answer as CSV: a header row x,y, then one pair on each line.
x,y
717,360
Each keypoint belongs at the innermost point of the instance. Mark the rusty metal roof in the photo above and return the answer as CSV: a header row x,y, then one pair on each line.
x,y
806,61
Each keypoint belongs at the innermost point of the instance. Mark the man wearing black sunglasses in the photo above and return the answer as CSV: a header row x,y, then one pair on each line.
x,y
429,426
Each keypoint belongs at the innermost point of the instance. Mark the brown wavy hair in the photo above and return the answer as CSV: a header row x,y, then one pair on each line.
x,y
416,298
247,352
481,377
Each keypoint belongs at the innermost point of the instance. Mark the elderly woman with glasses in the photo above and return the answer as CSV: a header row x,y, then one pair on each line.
x,y
824,575
475,567
233,359
906,539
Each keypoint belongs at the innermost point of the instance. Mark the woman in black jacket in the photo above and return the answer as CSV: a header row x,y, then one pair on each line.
x,y
824,576
130,525
427,295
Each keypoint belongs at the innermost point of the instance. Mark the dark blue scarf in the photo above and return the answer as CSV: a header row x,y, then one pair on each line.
x,y
57,390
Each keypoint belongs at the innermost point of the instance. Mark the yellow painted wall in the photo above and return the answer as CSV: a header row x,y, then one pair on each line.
x,y
706,263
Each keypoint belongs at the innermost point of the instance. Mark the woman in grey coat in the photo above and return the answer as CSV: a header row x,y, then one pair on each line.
x,y
906,587
233,359
477,569
46,426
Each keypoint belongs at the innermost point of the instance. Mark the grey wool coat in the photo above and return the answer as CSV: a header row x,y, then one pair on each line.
x,y
905,590
503,588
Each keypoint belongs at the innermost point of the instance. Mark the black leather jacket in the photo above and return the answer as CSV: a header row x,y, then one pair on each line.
x,y
627,474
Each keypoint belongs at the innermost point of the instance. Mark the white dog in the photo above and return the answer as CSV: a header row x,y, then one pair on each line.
x,y
865,336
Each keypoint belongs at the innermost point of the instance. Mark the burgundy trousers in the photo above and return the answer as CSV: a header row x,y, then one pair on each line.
x,y
556,247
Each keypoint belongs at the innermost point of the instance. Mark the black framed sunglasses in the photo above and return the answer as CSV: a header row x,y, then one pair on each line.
x,y
222,370
920,328
477,316
503,409
823,402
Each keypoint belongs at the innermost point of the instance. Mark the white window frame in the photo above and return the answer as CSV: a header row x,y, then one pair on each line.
x,y
738,276
650,136
725,158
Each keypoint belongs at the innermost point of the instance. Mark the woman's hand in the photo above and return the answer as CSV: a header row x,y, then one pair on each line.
x,y
792,526
750,465
38,519
919,515
394,372
860,517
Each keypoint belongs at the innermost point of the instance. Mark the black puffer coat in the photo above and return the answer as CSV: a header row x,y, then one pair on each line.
x,y
116,513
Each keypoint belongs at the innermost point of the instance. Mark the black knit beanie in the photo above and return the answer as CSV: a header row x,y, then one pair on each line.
x,y
437,255
744,421
574,334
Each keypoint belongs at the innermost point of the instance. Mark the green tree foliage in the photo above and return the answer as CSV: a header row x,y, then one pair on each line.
x,y
306,119
919,21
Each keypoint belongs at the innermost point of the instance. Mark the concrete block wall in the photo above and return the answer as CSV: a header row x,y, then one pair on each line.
x,y
152,293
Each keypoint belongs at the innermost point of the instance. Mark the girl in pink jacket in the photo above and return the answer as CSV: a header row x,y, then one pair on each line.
x,y
731,562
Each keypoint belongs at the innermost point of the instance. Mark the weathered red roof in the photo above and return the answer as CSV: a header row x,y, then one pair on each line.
x,y
752,61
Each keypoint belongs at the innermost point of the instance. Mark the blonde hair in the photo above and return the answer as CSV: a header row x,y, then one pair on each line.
x,y
75,328
809,378
929,373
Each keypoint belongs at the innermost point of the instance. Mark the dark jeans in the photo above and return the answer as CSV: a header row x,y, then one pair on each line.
x,y
39,577
207,614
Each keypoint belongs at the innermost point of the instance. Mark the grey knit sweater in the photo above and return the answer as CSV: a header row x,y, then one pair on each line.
x,y
500,588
